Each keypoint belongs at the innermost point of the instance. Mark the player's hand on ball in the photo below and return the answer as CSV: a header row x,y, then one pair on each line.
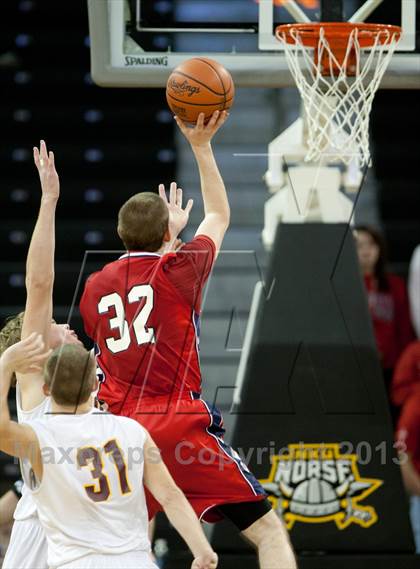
x,y
201,134
178,217
26,356
44,161
208,561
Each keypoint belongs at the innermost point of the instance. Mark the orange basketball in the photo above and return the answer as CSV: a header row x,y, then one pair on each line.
x,y
199,85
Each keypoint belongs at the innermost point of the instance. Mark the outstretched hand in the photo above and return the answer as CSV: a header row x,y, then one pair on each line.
x,y
178,217
201,134
209,561
26,356
44,161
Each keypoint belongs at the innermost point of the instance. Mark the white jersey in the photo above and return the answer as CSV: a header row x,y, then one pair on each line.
x,y
91,498
26,507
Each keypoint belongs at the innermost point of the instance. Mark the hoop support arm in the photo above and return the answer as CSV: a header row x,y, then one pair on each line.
x,y
294,10
365,11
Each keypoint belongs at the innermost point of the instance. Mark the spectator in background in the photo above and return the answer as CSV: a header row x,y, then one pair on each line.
x,y
387,300
414,289
407,375
408,441
406,395
407,372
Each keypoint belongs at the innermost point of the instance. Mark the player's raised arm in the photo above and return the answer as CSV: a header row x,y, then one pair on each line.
x,y
181,515
40,259
216,204
19,440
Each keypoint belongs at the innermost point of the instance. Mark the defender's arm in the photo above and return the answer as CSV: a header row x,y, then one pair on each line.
x,y
181,515
27,356
40,268
40,260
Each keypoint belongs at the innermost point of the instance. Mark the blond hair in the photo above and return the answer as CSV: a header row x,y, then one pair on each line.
x,y
10,334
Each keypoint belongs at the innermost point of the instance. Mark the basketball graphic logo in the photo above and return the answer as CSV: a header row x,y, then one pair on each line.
x,y
315,483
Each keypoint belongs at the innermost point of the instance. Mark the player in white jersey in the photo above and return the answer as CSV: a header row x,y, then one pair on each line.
x,y
27,547
88,468
28,543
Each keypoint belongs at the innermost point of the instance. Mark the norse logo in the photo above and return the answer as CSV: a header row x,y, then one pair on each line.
x,y
314,483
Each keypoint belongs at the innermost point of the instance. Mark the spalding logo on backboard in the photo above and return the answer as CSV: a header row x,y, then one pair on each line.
x,y
315,483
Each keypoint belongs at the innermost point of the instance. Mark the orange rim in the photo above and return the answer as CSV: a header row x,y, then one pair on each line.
x,y
337,33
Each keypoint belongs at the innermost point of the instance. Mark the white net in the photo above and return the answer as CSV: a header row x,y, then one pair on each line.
x,y
338,106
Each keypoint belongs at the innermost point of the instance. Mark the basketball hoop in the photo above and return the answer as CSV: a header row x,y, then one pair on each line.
x,y
338,67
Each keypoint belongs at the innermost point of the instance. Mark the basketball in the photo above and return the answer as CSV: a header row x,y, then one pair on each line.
x,y
199,85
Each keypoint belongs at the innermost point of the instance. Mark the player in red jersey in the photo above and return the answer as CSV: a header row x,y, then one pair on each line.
x,y
142,311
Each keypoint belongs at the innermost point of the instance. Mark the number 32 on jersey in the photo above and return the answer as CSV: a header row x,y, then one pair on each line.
x,y
143,333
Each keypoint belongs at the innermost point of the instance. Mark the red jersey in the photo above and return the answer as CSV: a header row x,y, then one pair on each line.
x,y
407,374
390,315
408,432
142,311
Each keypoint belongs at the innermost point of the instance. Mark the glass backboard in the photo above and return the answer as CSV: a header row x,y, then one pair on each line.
x,y
136,43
